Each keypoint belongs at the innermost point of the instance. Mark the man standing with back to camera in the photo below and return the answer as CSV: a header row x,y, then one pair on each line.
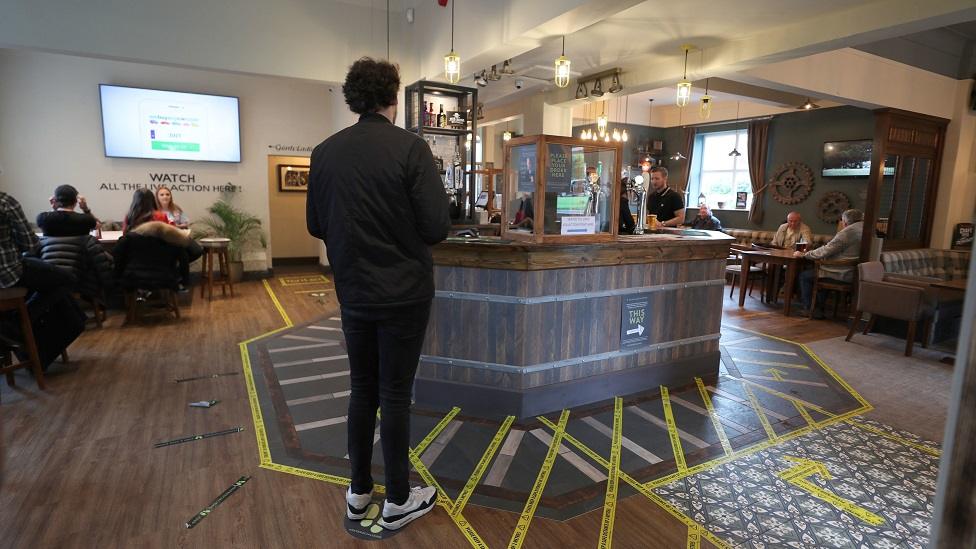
x,y
376,199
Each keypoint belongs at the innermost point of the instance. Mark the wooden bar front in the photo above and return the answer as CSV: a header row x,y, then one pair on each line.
x,y
526,329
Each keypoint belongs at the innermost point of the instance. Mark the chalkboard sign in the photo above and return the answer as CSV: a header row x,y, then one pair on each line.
x,y
634,315
560,168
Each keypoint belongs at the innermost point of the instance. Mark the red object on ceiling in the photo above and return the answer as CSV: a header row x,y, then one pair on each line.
x,y
443,3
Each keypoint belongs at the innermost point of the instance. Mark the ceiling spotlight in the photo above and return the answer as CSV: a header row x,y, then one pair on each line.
x,y
678,156
507,67
480,79
615,86
808,105
597,90
493,75
581,91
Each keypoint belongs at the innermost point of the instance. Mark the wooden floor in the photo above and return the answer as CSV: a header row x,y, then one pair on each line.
x,y
78,467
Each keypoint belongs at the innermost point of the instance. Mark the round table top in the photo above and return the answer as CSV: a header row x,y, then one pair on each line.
x,y
214,242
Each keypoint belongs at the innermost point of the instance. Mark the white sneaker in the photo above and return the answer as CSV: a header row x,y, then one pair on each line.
x,y
356,504
419,503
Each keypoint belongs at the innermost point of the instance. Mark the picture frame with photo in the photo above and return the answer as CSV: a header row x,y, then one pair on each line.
x,y
741,198
292,178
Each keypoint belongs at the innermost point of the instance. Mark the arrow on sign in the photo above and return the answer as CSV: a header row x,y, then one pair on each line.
x,y
797,476
777,374
639,330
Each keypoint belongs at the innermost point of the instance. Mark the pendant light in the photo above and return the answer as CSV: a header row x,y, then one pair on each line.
x,y
678,155
601,121
562,68
705,110
506,136
452,61
684,87
623,135
735,148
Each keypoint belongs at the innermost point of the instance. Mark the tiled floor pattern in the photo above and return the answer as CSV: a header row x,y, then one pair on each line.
x,y
302,386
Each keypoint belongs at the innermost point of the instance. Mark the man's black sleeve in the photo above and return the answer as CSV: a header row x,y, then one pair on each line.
x,y
427,197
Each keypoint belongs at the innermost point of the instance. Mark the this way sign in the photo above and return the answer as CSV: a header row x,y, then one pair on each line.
x,y
634,316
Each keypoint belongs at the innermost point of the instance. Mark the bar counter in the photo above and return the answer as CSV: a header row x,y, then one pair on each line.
x,y
526,329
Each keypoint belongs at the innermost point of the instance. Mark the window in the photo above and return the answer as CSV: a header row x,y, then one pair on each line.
x,y
721,176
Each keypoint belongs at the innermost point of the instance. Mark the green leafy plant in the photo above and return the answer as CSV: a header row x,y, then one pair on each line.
x,y
243,229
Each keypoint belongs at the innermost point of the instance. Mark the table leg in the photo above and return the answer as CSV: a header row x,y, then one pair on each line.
x,y
790,282
744,279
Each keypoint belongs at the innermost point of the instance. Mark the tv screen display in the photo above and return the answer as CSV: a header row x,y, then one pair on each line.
x,y
167,125
850,159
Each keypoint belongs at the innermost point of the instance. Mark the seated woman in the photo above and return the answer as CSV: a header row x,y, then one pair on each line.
x,y
174,214
144,219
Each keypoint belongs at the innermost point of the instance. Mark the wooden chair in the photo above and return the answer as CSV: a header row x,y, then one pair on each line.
x,y
895,298
12,299
734,270
160,301
839,287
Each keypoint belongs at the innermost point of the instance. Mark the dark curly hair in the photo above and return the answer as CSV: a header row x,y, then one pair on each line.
x,y
371,85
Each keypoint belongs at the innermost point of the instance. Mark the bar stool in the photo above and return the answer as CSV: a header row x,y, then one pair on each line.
x,y
215,246
12,299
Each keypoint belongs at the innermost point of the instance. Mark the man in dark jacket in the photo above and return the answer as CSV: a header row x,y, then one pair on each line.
x,y
376,199
63,220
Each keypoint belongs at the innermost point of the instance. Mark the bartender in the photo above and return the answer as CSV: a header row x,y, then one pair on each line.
x,y
663,201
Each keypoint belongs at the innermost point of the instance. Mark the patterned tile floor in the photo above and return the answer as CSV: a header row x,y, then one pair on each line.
x,y
773,399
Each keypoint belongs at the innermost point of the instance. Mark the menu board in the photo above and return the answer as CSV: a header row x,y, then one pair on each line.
x,y
559,170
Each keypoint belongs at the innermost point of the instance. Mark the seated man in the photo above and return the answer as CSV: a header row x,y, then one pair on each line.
x,y
845,245
64,220
791,232
16,240
706,220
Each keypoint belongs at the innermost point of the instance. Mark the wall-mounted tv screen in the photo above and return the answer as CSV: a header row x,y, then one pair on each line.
x,y
850,159
157,124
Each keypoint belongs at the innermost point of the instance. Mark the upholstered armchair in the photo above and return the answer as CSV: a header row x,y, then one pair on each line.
x,y
896,298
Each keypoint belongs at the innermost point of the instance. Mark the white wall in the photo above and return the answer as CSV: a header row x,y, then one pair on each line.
x,y
312,39
50,132
956,202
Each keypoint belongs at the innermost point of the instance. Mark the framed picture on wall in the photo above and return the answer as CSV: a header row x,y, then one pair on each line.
x,y
292,179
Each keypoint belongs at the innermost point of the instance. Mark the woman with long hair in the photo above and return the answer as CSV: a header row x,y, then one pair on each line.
x,y
174,213
142,209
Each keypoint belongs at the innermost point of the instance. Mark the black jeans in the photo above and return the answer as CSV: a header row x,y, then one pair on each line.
x,y
384,348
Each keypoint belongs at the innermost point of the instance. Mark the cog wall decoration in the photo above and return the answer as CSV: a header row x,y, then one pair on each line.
x,y
831,205
791,183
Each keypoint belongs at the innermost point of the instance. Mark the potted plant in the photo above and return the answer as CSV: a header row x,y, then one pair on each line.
x,y
243,230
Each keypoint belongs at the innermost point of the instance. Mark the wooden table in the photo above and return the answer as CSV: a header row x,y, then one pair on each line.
x,y
776,257
958,284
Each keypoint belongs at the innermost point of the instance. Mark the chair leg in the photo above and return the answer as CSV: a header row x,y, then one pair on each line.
x,y
173,303
854,322
926,333
27,330
836,302
870,325
732,288
910,338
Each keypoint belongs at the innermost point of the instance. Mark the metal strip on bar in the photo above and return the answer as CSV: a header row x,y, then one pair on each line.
x,y
490,298
565,362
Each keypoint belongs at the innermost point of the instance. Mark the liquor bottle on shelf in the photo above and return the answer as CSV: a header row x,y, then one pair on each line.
x,y
458,169
441,118
430,114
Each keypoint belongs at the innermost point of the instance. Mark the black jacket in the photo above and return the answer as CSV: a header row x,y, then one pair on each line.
x,y
84,257
376,199
148,256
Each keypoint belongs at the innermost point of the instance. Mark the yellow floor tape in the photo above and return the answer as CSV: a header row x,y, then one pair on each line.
x,y
716,421
679,454
613,476
759,412
522,528
479,469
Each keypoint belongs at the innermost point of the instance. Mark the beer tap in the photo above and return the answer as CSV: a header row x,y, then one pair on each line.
x,y
636,186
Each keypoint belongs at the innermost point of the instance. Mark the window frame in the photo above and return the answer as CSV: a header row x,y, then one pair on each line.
x,y
699,170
